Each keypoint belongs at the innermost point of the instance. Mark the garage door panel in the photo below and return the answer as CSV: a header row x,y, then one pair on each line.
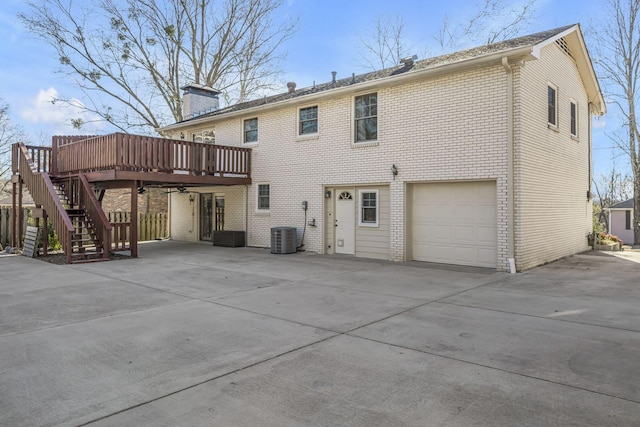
x,y
486,235
455,223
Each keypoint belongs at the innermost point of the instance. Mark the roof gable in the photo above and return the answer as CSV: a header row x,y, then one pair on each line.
x,y
627,204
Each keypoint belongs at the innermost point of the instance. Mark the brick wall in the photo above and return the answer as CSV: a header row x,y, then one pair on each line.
x,y
447,128
553,215
154,200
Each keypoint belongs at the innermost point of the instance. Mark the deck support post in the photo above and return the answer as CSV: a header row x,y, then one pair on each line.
x,y
20,217
134,219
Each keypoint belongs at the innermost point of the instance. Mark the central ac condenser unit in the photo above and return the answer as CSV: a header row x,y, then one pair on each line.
x,y
283,240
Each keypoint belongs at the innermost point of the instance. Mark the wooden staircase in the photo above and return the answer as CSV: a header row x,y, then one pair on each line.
x,y
86,245
72,207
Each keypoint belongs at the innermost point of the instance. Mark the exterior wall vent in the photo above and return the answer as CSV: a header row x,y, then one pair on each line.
x,y
283,240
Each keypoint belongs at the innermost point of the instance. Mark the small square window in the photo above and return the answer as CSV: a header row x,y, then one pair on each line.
x,y
573,110
366,117
369,208
251,130
552,110
263,197
308,120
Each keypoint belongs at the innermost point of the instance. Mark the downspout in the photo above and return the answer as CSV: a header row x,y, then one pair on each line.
x,y
510,169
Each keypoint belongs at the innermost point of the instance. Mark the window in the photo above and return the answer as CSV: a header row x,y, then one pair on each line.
x,y
251,130
205,136
308,119
263,197
552,108
369,208
366,117
573,110
627,220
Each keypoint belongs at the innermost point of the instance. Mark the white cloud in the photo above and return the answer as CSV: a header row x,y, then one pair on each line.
x,y
42,110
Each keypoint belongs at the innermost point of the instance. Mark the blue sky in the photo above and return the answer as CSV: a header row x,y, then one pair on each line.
x,y
327,40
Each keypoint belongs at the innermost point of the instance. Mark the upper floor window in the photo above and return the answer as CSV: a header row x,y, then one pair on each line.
x,y
251,130
308,120
205,136
366,117
573,111
552,109
263,197
369,208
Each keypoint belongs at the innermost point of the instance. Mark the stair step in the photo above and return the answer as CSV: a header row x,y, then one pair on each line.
x,y
84,261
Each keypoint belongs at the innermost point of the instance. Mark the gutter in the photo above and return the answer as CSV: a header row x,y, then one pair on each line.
x,y
510,169
519,53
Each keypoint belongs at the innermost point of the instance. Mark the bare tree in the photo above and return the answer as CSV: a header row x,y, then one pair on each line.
x,y
384,45
611,188
618,60
131,57
9,134
492,21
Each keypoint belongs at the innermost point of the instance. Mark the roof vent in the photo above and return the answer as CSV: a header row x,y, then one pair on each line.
x,y
333,76
408,61
291,86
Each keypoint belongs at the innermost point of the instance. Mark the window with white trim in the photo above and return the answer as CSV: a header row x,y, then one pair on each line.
x,y
368,212
308,120
573,114
263,195
366,117
250,130
552,106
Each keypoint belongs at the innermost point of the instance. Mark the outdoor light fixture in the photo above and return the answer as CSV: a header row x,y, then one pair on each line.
x,y
191,198
327,194
394,171
141,190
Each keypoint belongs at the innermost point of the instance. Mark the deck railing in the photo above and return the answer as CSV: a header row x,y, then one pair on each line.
x,y
39,185
88,201
139,153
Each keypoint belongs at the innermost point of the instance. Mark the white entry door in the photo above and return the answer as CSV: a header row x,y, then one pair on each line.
x,y
345,221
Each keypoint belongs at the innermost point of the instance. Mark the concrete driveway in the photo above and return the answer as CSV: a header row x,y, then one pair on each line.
x,y
194,335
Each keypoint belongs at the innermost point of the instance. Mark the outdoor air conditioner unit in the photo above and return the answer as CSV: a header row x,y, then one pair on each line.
x,y
283,240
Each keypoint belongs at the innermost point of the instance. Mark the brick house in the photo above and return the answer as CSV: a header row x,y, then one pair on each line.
x,y
480,157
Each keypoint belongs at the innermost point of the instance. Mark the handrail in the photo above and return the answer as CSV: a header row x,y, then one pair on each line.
x,y
119,151
41,188
88,201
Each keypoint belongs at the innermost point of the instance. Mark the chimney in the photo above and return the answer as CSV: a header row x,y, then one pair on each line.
x,y
333,76
408,61
198,99
291,86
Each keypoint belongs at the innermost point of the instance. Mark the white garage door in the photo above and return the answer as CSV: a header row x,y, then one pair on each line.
x,y
455,223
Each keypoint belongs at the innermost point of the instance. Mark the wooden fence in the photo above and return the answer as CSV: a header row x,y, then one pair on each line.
x,y
6,215
150,226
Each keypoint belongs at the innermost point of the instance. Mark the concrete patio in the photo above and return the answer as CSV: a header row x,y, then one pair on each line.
x,y
195,335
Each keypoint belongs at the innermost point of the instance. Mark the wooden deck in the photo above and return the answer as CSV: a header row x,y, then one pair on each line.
x,y
64,179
